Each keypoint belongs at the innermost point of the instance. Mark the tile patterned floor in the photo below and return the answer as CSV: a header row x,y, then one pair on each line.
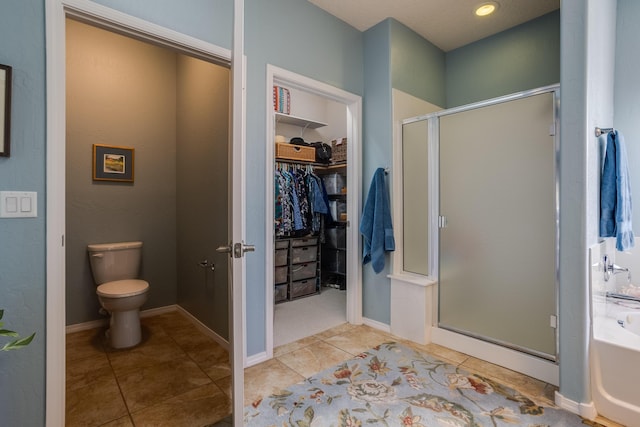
x,y
178,376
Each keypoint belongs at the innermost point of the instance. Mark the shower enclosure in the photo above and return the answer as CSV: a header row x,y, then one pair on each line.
x,y
495,229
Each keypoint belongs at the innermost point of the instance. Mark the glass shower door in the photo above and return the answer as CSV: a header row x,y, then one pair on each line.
x,y
497,260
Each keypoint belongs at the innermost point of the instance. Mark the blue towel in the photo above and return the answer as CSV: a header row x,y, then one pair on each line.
x,y
615,194
375,225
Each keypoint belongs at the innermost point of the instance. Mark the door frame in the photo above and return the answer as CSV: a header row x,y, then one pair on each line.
x,y
353,103
56,11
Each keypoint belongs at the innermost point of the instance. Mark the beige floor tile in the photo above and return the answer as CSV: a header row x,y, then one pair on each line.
x,y
120,422
202,406
444,353
336,330
530,387
95,404
83,372
225,385
82,344
267,378
314,358
168,320
157,348
293,346
359,339
148,386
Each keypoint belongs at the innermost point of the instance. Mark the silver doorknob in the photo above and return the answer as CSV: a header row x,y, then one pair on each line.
x,y
239,249
224,249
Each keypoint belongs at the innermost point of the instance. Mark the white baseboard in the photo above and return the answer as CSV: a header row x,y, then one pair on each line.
x,y
535,367
585,410
376,325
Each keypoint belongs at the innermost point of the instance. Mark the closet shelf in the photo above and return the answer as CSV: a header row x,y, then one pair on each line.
x,y
298,121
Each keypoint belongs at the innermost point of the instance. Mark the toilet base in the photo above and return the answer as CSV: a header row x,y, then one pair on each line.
x,y
124,329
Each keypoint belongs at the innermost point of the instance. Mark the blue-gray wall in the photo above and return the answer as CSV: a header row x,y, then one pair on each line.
x,y
22,241
376,152
521,58
314,44
417,66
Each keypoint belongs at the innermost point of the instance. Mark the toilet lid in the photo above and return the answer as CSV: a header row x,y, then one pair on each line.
x,y
122,288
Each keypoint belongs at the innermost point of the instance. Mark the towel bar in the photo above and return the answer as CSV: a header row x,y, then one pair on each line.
x,y
601,131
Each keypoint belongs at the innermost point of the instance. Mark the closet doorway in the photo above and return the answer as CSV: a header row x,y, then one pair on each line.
x,y
315,265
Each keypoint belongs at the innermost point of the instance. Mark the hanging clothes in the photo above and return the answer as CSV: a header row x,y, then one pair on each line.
x,y
301,201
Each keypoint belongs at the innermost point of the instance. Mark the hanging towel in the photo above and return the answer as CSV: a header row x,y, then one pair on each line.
x,y
375,225
615,193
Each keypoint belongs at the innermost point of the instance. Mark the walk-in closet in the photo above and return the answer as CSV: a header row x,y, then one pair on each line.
x,y
310,214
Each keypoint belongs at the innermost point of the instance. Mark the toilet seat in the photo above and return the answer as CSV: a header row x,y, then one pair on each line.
x,y
122,288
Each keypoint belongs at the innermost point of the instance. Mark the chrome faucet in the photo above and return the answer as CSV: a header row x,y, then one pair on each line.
x,y
610,268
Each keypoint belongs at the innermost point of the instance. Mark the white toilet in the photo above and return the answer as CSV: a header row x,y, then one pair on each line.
x,y
115,268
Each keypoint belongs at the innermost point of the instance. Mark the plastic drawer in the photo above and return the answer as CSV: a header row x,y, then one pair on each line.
x,y
334,261
280,274
303,287
280,293
304,254
303,271
335,184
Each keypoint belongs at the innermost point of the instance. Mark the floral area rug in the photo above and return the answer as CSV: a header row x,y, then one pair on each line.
x,y
393,385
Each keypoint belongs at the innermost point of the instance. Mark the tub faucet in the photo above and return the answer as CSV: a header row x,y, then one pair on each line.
x,y
610,268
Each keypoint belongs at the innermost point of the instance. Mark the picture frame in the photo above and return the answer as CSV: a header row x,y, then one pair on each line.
x,y
112,163
5,110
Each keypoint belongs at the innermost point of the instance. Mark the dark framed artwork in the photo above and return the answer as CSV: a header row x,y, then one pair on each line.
x,y
111,163
5,110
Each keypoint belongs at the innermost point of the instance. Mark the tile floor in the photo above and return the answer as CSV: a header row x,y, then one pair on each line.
x,y
178,376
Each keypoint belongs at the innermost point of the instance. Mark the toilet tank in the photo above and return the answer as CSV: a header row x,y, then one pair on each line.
x,y
115,261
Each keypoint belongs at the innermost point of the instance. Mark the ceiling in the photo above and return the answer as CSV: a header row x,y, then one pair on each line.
x,y
448,24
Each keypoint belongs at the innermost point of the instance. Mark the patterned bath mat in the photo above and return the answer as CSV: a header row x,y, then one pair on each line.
x,y
393,385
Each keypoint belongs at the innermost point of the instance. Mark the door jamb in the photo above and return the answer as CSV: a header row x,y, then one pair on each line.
x,y
56,11
354,201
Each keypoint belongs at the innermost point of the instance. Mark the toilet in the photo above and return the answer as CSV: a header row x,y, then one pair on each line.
x,y
115,268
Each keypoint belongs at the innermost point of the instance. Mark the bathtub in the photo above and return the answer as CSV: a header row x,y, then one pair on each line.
x,y
615,365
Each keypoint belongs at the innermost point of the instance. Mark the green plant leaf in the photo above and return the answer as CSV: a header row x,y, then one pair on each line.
x,y
14,345
8,333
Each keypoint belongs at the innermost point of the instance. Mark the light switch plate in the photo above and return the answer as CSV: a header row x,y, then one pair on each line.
x,y
18,204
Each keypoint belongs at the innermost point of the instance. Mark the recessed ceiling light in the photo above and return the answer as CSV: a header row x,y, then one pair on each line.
x,y
486,8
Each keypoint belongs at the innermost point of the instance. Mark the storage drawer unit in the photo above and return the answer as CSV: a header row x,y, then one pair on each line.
x,y
296,267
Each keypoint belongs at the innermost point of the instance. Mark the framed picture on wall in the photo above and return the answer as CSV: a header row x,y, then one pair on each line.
x,y
5,109
112,163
